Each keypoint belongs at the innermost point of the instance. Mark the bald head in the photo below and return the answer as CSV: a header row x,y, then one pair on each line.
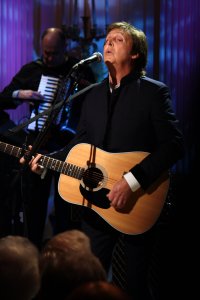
x,y
56,34
53,47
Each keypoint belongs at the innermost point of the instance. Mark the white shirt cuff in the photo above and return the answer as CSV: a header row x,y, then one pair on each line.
x,y
15,94
132,181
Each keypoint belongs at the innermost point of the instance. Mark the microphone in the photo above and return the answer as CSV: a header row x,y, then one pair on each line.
x,y
97,56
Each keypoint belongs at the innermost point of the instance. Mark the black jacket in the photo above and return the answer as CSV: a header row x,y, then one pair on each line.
x,y
141,119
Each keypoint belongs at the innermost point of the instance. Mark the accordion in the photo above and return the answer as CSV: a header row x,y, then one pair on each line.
x,y
48,88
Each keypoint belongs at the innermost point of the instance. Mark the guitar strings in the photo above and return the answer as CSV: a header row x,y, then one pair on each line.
x,y
96,177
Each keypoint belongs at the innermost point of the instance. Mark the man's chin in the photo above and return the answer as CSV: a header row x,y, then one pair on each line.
x,y
108,62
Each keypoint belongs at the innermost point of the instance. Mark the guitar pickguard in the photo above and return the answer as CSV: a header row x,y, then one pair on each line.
x,y
98,198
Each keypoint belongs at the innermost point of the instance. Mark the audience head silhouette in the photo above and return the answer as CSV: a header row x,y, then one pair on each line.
x,y
67,262
19,268
98,290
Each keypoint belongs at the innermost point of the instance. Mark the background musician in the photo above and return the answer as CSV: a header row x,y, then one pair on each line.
x,y
54,62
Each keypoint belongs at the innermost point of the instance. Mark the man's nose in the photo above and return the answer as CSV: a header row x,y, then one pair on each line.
x,y
109,43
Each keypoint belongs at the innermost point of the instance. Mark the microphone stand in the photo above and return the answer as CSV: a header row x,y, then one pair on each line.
x,y
66,89
48,110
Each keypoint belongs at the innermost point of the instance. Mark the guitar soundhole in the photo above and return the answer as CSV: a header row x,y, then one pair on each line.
x,y
93,178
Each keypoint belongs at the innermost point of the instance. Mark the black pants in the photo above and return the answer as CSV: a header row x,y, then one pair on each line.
x,y
137,253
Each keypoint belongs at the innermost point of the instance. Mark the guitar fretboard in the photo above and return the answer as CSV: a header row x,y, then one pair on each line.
x,y
62,167
47,162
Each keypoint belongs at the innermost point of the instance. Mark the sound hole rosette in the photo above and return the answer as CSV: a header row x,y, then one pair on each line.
x,y
94,177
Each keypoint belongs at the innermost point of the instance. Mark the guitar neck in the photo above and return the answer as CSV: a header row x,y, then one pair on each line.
x,y
47,162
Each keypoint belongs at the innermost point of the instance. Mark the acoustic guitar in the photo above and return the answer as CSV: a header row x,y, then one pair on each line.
x,y
87,175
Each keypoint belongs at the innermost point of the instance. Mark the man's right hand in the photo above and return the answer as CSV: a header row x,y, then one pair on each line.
x,y
29,94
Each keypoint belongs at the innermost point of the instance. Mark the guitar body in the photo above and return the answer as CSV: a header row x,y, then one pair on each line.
x,y
142,210
89,173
